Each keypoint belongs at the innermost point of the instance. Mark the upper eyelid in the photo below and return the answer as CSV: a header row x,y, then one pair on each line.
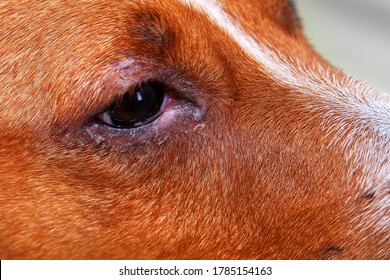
x,y
121,77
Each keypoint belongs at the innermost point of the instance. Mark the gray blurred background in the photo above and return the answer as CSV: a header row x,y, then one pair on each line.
x,y
353,35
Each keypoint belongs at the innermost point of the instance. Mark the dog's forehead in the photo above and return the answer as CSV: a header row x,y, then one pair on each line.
x,y
157,22
251,12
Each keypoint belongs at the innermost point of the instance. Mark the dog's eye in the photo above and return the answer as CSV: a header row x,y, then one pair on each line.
x,y
136,108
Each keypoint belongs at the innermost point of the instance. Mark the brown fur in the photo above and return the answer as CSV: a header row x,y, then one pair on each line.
x,y
240,172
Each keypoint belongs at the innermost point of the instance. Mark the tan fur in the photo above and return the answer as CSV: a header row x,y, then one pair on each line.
x,y
246,168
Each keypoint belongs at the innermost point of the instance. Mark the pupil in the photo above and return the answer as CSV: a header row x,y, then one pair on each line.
x,y
137,108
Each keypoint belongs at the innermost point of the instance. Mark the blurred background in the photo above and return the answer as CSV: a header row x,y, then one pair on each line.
x,y
353,35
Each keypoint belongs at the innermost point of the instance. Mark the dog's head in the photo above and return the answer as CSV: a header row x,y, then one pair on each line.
x,y
184,129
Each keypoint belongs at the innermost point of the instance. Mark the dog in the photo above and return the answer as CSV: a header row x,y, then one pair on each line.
x,y
184,129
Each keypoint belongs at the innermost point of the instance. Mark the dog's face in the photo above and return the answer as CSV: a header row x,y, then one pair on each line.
x,y
183,129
